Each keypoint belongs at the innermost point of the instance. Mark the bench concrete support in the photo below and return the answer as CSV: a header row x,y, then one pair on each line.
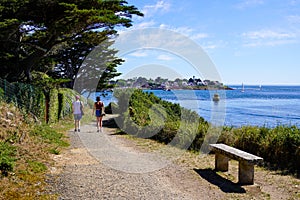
x,y
221,162
246,161
246,173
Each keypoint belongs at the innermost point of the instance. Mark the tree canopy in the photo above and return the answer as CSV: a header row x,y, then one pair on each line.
x,y
55,36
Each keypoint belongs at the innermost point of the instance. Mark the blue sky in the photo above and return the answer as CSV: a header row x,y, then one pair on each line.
x,y
249,41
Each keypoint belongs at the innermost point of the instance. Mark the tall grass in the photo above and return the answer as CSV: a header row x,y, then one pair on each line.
x,y
279,146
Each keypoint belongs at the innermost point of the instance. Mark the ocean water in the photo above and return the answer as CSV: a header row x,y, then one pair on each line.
x,y
259,106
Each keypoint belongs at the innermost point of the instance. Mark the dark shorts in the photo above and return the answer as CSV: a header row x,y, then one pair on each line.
x,y
98,113
77,116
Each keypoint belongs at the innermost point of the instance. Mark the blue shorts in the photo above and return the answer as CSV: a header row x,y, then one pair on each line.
x,y
77,116
98,113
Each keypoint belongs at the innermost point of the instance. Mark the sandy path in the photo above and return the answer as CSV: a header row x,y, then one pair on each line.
x,y
105,166
108,166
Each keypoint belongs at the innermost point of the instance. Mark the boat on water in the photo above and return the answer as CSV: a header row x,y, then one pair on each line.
x,y
216,97
243,88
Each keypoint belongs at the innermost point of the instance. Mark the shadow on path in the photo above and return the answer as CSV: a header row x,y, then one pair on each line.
x,y
110,123
224,184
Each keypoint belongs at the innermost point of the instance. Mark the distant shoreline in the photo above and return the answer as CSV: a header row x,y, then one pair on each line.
x,y
200,88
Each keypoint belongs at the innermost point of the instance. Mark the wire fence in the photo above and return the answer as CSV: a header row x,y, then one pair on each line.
x,y
29,99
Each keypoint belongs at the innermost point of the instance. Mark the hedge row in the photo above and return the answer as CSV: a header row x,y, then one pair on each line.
x,y
32,100
60,104
28,98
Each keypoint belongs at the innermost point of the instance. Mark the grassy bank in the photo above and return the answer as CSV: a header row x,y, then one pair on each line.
x,y
25,152
145,115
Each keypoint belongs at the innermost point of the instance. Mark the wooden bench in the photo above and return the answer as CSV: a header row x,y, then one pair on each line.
x,y
246,161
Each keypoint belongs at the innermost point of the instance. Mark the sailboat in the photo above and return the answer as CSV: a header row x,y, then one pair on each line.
x,y
243,88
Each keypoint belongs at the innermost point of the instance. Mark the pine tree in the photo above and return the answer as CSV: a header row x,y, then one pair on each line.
x,y
43,35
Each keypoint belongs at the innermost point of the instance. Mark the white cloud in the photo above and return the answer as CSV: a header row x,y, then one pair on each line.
x,y
211,45
295,19
248,3
187,31
139,54
145,24
164,26
267,34
164,57
269,43
199,36
160,6
268,38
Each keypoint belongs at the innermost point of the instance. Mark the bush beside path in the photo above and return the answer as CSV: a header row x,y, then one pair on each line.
x,y
90,169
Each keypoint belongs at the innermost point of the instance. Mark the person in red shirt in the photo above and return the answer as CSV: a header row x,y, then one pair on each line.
x,y
99,112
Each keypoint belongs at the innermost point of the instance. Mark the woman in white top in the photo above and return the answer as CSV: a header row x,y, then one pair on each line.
x,y
77,107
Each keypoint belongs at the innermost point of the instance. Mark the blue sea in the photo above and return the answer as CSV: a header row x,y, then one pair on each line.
x,y
255,105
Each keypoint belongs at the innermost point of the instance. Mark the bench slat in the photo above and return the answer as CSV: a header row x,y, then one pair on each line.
x,y
234,153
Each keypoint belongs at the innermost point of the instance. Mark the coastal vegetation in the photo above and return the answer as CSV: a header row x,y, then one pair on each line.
x,y
148,116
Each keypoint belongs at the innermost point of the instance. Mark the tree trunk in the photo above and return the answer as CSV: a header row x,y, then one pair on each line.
x,y
29,63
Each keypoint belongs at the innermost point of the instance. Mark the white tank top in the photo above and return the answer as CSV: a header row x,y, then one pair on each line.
x,y
76,106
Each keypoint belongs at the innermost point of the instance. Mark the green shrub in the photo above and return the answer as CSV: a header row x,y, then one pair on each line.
x,y
65,98
148,116
279,146
248,138
26,97
282,147
53,106
7,157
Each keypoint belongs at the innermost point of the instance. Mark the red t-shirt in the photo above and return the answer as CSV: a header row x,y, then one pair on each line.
x,y
98,105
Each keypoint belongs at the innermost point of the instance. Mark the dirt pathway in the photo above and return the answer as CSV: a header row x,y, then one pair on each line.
x,y
109,166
